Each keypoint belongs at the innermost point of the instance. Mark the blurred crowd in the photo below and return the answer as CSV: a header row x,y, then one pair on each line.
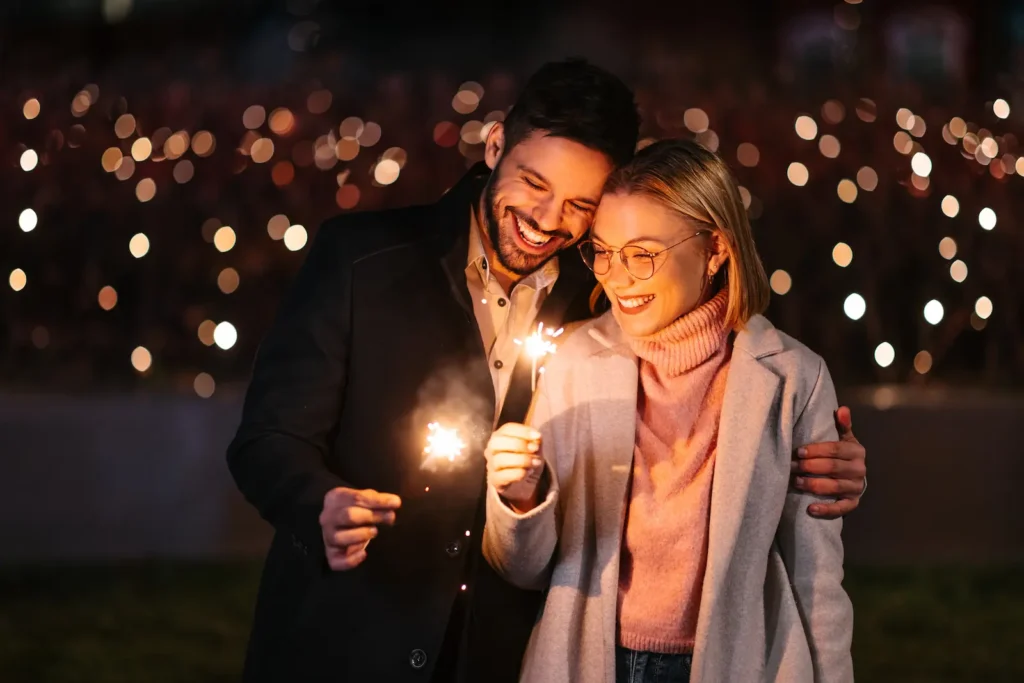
x,y
846,179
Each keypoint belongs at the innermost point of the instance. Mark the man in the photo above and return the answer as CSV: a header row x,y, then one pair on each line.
x,y
397,319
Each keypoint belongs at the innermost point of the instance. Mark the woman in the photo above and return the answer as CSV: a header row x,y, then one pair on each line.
x,y
649,494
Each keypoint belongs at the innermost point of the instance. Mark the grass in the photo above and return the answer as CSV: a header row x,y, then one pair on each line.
x,y
158,622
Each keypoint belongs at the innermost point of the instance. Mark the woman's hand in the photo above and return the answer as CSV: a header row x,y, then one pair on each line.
x,y
514,465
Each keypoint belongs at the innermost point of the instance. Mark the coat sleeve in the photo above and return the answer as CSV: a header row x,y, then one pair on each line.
x,y
278,457
812,550
520,547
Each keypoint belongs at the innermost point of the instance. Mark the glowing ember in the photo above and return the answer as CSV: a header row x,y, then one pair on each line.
x,y
443,443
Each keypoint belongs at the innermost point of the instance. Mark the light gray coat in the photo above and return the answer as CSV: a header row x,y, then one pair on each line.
x,y
772,605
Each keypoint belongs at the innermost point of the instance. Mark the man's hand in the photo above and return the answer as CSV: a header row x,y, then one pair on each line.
x,y
349,522
514,465
840,466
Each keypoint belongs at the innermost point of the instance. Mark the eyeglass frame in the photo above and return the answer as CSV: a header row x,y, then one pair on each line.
x,y
622,259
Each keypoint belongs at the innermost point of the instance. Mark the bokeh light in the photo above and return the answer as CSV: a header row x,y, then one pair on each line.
x,y
1001,108
921,164
386,172
224,239
124,127
277,226
142,359
107,298
806,127
867,178
950,206
781,282
847,190
29,160
923,362
797,174
17,279
205,331
225,335
28,220
987,218
145,190
139,245
933,312
947,247
854,306
184,171
228,280
885,354
254,117
829,146
842,254
748,155
696,120
983,307
295,238
204,385
958,271
31,108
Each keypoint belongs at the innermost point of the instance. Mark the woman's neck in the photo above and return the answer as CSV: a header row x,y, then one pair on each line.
x,y
689,340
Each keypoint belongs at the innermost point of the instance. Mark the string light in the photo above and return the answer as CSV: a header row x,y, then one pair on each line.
x,y
923,362
28,220
842,254
798,174
781,282
885,354
983,307
29,160
950,206
933,312
1001,108
225,335
987,219
855,307
806,128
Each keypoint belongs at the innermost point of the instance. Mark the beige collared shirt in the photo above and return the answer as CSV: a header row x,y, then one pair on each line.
x,y
501,317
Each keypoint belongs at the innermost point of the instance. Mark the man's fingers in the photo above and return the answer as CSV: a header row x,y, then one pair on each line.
x,y
844,423
368,498
343,497
339,560
521,431
347,518
353,537
833,510
510,444
845,450
503,461
841,469
829,487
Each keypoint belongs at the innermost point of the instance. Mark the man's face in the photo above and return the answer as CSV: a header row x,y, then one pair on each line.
x,y
540,198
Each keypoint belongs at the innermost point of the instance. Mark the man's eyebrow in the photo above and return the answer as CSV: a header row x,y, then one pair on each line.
x,y
591,203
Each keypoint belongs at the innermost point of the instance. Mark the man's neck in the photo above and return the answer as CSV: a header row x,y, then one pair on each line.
x,y
505,277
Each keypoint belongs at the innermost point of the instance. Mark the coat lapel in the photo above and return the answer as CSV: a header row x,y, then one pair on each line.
x,y
749,395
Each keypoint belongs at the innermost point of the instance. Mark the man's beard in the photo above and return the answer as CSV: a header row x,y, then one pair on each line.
x,y
510,256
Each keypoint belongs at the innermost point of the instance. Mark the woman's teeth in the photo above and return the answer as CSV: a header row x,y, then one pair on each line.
x,y
531,236
636,301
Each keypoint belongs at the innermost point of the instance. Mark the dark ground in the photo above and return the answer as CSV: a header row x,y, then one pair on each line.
x,y
160,622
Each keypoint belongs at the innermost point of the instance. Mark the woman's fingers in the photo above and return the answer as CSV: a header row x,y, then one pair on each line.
x,y
505,478
504,461
510,444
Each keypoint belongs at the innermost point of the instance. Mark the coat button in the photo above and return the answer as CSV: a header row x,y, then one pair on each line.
x,y
453,548
417,659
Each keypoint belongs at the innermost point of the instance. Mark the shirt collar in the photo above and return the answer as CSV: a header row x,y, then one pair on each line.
x,y
544,278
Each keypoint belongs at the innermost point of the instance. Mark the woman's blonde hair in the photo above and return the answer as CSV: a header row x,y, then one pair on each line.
x,y
698,185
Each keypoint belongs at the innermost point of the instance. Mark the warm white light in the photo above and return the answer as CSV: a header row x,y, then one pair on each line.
x,y
933,312
947,247
28,220
983,307
29,160
798,174
958,271
1001,108
806,128
987,218
225,335
386,172
17,280
295,237
142,359
139,245
885,354
224,239
950,206
855,307
921,164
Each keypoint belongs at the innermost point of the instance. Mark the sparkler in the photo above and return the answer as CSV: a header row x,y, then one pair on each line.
x,y
538,345
442,443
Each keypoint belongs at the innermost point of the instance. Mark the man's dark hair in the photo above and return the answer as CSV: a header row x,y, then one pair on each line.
x,y
577,101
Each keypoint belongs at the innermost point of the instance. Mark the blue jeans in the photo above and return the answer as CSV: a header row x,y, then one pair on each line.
x,y
650,667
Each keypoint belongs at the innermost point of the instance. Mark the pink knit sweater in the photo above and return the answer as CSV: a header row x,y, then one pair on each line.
x,y
683,369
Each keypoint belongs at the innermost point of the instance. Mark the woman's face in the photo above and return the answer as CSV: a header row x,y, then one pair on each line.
x,y
678,285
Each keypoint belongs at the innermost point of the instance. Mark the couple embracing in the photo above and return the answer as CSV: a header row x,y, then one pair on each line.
x,y
666,507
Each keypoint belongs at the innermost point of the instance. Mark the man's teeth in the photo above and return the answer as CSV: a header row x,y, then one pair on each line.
x,y
636,301
537,239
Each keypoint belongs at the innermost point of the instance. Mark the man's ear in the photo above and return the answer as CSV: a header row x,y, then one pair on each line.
x,y
494,145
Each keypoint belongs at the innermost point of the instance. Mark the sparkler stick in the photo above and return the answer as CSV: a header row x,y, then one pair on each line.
x,y
538,345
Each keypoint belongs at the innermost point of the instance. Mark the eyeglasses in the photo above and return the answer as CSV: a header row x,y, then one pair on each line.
x,y
638,262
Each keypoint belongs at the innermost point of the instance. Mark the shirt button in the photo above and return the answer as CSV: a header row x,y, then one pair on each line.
x,y
453,548
498,364
417,659
502,302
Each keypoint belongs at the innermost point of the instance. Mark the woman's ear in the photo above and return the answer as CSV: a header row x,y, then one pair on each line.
x,y
718,254
494,145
